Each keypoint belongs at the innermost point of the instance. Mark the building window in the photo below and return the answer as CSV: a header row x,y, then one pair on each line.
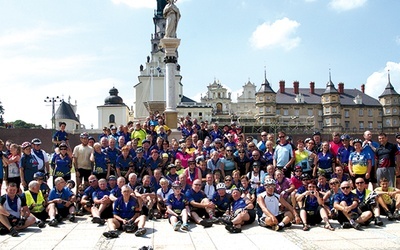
x,y
278,111
370,112
268,109
190,114
327,122
361,112
319,112
380,112
326,110
296,112
346,113
388,102
361,125
261,98
200,114
111,119
387,111
334,121
388,123
394,111
309,112
261,110
346,124
285,112
370,125
334,110
379,125
320,125
268,97
394,122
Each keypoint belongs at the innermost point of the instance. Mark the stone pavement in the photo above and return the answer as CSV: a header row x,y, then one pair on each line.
x,y
84,235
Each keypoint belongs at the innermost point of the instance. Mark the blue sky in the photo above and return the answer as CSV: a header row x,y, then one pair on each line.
x,y
83,48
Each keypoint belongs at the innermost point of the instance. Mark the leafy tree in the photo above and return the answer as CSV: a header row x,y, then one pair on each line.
x,y
1,114
23,124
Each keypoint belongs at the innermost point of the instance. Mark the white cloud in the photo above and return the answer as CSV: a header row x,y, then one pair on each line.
x,y
397,40
136,4
344,5
378,80
278,34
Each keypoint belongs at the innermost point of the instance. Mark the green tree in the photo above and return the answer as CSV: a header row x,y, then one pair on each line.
x,y
23,124
1,114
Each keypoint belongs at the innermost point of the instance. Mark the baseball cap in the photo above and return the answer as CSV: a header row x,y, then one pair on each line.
x,y
112,178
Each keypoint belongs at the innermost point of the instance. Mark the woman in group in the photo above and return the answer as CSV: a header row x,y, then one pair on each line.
x,y
28,165
215,163
241,211
269,153
329,196
236,178
359,162
284,186
325,162
62,163
192,172
124,163
248,193
242,161
101,163
229,163
304,158
312,211
178,208
12,162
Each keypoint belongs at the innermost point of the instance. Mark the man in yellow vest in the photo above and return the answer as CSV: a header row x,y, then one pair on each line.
x,y
36,203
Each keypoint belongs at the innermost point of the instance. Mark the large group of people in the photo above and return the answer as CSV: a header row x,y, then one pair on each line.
x,y
134,173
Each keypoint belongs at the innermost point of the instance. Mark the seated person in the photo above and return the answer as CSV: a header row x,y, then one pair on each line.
x,y
162,196
133,181
102,208
367,200
221,200
148,196
178,208
242,212
36,203
346,203
329,198
61,203
127,215
269,203
115,193
14,213
388,199
44,188
201,208
312,211
87,198
209,187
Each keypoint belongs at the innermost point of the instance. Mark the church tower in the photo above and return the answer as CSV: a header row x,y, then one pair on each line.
x,y
390,101
150,91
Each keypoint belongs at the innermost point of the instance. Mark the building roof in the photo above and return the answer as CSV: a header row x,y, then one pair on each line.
x,y
65,111
389,90
347,98
113,98
265,86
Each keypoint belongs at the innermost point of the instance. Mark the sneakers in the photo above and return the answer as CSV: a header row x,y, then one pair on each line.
x,y
233,229
177,226
185,227
262,223
13,232
346,225
59,218
278,228
111,234
80,212
355,225
140,232
213,220
390,216
53,223
378,221
206,223
396,215
151,214
41,224
71,218
98,220
225,221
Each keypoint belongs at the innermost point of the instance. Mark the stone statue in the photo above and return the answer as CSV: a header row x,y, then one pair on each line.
x,y
172,15
141,67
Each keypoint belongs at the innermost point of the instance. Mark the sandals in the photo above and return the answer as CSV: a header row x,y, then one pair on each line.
x,y
140,232
233,229
306,227
177,225
329,227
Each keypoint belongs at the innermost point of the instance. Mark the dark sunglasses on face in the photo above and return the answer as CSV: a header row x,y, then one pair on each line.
x,y
348,187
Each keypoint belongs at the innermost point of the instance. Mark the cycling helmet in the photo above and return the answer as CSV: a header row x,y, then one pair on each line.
x,y
176,184
84,135
38,175
25,145
269,181
345,137
221,186
36,141
357,141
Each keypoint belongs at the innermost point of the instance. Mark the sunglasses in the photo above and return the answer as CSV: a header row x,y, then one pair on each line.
x,y
334,183
263,135
345,187
228,150
282,136
197,184
91,181
361,182
228,180
269,186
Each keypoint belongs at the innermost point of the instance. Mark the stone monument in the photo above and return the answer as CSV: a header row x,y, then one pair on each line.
x,y
170,43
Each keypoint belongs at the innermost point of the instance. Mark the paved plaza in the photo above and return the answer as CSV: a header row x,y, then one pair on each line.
x,y
85,235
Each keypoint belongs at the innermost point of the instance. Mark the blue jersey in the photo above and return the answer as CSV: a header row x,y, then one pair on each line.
x,y
311,203
221,203
125,210
89,192
100,162
238,204
112,155
177,205
124,163
325,161
193,196
60,136
30,165
116,192
64,194
98,194
339,197
62,166
344,153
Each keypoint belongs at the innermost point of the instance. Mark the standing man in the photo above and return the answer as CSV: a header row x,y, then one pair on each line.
x,y
60,135
284,155
81,160
370,147
138,133
41,156
388,160
261,145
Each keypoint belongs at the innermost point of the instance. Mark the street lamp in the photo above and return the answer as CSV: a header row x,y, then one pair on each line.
x,y
53,100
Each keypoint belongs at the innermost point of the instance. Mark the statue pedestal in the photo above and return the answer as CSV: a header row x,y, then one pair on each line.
x,y
170,45
171,119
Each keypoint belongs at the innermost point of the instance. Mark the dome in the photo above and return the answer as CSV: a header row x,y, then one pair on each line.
x,y
113,98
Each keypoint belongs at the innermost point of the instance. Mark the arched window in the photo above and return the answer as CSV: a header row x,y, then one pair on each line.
x,y
111,119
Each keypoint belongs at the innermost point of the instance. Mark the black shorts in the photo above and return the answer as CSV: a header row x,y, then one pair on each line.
x,y
252,214
64,211
201,212
84,173
42,215
107,213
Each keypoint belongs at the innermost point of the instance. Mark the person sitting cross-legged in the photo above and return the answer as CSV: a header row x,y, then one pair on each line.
x,y
102,208
388,199
128,215
272,216
61,203
178,208
36,202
